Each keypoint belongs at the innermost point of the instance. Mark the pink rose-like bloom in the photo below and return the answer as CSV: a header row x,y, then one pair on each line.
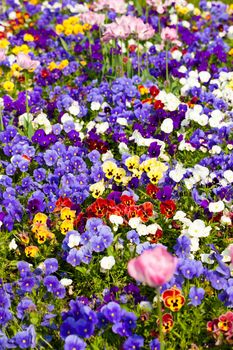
x,y
169,34
119,6
92,18
25,62
2,55
153,267
125,26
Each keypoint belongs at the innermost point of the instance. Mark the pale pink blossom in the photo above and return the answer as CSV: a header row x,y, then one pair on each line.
x,y
25,62
119,6
169,34
92,18
125,26
160,5
153,267
2,55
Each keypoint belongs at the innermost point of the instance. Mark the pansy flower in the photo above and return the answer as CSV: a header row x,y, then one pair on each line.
x,y
173,299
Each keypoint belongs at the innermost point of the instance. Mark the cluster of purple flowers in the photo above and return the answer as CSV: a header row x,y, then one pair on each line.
x,y
95,239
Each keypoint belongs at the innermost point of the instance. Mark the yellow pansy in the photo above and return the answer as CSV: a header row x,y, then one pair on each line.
x,y
97,189
67,214
15,67
83,63
73,20
23,48
230,85
8,86
36,227
68,30
230,9
59,29
155,175
40,218
109,169
146,165
28,37
52,66
137,173
41,236
78,28
196,11
119,174
143,90
132,162
230,52
86,26
66,226
182,10
4,43
31,251
63,64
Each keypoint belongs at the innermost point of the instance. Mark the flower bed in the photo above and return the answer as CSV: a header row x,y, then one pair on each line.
x,y
116,172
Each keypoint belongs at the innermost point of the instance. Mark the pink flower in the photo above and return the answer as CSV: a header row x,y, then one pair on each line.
x,y
25,62
153,267
169,34
92,18
119,6
2,55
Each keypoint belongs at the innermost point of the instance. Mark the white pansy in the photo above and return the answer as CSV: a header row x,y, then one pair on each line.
x,y
95,106
216,207
102,127
198,229
182,69
215,149
228,174
78,126
25,118
66,117
225,220
123,148
107,156
177,55
134,222
226,254
142,230
179,215
189,183
122,121
167,125
145,305
66,282
90,125
230,33
116,219
205,258
107,262
74,240
12,15
172,102
194,246
12,245
204,76
151,229
74,109
178,173
202,120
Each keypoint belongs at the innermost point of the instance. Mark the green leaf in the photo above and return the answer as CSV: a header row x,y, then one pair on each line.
x,y
64,45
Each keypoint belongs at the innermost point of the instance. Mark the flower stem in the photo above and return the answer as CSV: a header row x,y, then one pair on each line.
x,y
1,120
162,347
167,73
